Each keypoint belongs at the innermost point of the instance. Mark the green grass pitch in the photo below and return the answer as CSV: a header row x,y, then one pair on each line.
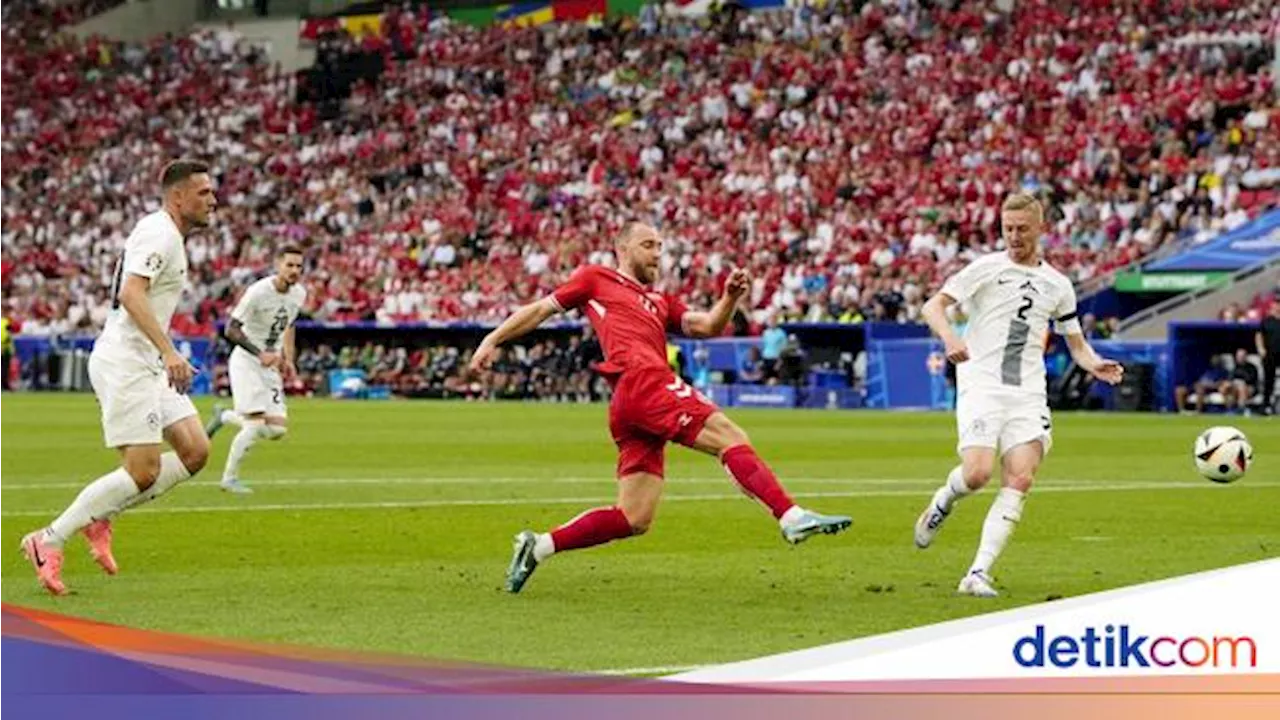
x,y
387,526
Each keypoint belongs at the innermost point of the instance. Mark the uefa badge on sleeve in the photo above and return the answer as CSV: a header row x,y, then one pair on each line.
x,y
154,261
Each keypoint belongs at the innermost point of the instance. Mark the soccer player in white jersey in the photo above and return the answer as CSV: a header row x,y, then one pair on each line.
x,y
261,328
139,378
1002,404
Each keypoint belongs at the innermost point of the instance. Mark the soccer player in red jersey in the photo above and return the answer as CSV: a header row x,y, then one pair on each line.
x,y
651,405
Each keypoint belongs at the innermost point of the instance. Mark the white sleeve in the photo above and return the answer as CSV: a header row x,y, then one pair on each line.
x,y
961,286
241,312
146,253
1065,321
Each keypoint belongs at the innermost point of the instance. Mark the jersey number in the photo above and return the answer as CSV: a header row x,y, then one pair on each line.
x,y
680,388
1014,344
277,328
1022,311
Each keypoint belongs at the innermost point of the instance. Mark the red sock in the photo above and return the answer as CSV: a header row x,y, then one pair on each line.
x,y
593,527
756,479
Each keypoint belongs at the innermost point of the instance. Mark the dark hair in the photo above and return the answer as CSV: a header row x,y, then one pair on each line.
x,y
179,170
289,249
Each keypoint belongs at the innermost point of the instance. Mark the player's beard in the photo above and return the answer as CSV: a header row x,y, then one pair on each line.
x,y
1023,252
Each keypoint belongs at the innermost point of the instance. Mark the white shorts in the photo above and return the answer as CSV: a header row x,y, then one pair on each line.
x,y
1002,421
136,400
254,388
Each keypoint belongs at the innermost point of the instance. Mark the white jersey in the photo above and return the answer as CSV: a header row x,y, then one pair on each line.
x,y
1010,308
265,313
154,250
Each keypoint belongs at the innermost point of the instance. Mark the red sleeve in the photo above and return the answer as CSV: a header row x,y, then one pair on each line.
x,y
577,289
675,314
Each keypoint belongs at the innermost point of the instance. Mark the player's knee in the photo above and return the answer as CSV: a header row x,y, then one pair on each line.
x,y
1019,480
639,516
977,475
143,469
640,522
194,455
725,433
274,432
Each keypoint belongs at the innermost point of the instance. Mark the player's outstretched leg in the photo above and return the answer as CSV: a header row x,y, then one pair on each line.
x,y
1018,470
971,475
722,437
145,474
638,496
253,428
96,502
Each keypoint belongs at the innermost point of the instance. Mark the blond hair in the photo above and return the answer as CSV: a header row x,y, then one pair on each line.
x,y
1022,201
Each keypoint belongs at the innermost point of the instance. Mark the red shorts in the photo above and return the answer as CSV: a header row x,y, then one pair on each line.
x,y
650,408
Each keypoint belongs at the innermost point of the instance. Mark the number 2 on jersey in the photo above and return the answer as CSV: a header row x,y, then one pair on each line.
x,y
1022,311
1014,344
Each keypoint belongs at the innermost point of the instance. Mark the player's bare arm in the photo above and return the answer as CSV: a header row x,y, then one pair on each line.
x,y
133,297
934,313
521,322
1108,371
712,322
236,336
289,367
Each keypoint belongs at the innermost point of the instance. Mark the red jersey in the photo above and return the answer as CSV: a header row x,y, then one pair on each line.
x,y
631,319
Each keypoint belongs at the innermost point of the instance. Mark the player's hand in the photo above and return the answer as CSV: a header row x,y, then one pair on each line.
x,y
957,351
179,371
482,358
738,283
1108,371
288,371
270,359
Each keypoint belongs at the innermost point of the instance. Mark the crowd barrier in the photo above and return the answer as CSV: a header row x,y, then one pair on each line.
x,y
866,365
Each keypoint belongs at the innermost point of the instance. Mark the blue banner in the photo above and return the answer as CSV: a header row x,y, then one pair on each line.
x,y
907,373
1240,248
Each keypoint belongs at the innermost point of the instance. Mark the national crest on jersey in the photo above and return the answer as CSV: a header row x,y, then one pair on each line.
x,y
1011,309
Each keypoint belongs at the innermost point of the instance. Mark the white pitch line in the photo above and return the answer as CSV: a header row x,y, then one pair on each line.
x,y
478,480
527,480
595,500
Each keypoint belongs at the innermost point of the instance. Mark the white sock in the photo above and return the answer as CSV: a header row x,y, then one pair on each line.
x,y
952,490
543,547
248,435
791,516
1002,518
231,417
98,500
172,472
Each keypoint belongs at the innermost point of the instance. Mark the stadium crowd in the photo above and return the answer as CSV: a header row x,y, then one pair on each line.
x,y
851,155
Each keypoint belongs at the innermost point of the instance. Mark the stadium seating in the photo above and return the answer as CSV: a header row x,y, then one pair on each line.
x,y
851,155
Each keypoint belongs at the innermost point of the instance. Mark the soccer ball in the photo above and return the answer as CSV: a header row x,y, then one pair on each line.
x,y
1223,454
